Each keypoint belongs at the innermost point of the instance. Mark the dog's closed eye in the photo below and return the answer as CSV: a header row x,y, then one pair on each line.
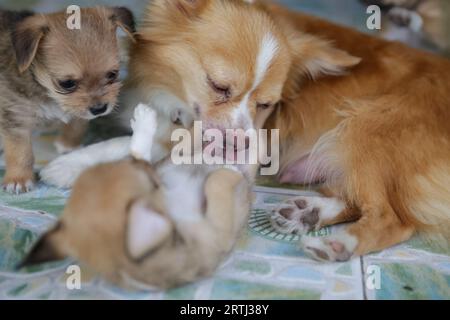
x,y
222,90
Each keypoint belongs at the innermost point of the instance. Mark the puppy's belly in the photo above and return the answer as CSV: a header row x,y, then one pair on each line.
x,y
184,191
301,171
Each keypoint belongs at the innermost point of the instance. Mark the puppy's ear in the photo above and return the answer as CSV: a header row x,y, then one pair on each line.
x,y
315,57
124,19
146,230
26,36
46,249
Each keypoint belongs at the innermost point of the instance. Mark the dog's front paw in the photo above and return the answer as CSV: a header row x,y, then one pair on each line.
x,y
19,184
144,120
144,129
61,172
304,214
335,248
406,18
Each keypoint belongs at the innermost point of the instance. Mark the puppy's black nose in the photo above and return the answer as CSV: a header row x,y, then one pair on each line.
x,y
99,109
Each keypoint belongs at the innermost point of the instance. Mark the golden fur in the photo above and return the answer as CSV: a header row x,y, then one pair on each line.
x,y
367,116
380,133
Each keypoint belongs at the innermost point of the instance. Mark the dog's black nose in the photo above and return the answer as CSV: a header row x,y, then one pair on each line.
x,y
99,109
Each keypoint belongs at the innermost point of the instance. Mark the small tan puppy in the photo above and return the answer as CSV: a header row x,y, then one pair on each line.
x,y
161,226
50,72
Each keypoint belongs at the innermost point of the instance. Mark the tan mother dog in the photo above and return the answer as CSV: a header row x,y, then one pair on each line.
x,y
367,116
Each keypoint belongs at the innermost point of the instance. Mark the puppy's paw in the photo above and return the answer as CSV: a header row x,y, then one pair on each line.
x,y
304,214
144,126
144,120
406,18
62,172
18,184
335,248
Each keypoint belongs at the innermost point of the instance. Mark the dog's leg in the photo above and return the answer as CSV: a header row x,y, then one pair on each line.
x,y
71,136
64,170
19,159
377,229
228,204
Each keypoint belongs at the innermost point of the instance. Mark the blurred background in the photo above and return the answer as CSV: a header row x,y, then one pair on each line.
x,y
350,12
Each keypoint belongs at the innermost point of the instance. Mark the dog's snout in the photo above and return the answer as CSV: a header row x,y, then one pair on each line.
x,y
99,109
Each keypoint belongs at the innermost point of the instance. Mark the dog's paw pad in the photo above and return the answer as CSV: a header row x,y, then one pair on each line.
x,y
299,215
334,248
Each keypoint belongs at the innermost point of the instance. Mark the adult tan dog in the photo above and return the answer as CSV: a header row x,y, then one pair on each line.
x,y
368,117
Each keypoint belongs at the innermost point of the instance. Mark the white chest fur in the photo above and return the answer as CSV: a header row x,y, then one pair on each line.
x,y
52,111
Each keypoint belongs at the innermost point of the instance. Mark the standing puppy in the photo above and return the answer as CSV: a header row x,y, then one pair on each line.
x,y
50,72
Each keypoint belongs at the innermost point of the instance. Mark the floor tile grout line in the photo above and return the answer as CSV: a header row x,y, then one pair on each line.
x,y
363,276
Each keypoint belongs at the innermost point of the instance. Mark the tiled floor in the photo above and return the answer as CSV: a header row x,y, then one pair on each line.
x,y
264,265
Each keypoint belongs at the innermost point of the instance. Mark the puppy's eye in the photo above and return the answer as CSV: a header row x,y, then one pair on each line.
x,y
264,106
68,86
224,91
112,76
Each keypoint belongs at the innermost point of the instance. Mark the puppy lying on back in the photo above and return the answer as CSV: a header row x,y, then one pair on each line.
x,y
162,226
49,72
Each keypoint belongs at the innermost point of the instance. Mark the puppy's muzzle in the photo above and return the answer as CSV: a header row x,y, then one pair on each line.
x,y
99,109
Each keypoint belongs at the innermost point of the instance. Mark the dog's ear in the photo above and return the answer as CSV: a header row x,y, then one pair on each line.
x,y
146,230
124,19
26,37
315,57
178,8
46,249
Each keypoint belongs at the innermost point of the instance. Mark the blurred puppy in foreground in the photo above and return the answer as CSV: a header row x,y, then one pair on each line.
x,y
160,225
49,72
